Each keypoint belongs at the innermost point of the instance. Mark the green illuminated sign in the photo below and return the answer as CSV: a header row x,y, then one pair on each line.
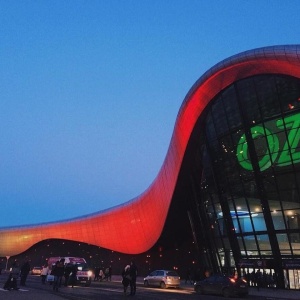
x,y
269,143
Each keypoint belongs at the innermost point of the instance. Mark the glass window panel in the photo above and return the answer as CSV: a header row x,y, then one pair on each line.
x,y
273,195
245,224
285,181
269,181
267,95
259,222
263,242
261,145
231,108
297,179
274,205
290,205
219,118
273,127
294,237
247,94
222,227
241,204
255,206
241,244
284,244
250,189
278,220
291,196
234,181
288,92
266,252
292,217
250,243
210,128
238,137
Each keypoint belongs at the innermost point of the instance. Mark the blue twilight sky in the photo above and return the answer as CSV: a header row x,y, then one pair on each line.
x,y
90,91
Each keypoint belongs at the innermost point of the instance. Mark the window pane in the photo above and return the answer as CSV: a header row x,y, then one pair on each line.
x,y
284,244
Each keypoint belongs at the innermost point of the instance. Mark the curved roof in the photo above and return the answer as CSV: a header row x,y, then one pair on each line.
x,y
144,217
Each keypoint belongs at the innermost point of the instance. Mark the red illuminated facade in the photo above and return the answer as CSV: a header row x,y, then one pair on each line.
x,y
145,216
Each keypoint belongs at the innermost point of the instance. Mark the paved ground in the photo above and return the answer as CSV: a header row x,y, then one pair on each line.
x,y
28,293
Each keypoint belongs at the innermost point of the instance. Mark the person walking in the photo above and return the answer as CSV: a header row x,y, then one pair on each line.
x,y
58,273
133,275
188,277
73,276
24,273
44,273
126,278
97,273
109,273
14,274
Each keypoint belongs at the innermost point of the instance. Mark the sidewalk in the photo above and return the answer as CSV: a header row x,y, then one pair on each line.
x,y
269,293
263,293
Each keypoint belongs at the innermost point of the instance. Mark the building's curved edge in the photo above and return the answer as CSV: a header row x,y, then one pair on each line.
x,y
144,216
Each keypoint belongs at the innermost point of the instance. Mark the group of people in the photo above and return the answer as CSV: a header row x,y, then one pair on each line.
x,y
17,272
59,270
103,274
261,279
129,275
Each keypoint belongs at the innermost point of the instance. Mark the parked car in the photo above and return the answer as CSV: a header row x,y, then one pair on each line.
x,y
163,279
222,285
36,270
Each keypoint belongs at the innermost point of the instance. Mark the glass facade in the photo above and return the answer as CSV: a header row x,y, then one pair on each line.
x,y
250,184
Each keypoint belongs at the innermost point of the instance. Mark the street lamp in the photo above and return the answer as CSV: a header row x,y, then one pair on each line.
x,y
7,258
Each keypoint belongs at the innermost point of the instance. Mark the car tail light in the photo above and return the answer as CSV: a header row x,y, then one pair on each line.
x,y
232,280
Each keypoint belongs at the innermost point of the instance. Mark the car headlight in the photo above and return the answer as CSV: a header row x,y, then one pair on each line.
x,y
90,273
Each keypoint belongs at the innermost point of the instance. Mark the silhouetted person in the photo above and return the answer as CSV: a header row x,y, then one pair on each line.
x,y
133,275
126,278
14,274
24,273
44,273
97,274
109,273
188,276
58,273
73,276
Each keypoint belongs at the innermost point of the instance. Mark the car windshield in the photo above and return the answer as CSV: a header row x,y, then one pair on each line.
x,y
172,273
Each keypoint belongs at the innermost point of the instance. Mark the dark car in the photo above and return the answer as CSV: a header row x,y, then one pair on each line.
x,y
222,285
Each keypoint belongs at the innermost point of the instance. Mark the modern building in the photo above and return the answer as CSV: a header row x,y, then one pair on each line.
x,y
230,182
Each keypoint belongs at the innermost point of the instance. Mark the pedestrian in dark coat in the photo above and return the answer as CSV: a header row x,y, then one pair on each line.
x,y
133,275
73,276
126,278
58,273
11,282
24,273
